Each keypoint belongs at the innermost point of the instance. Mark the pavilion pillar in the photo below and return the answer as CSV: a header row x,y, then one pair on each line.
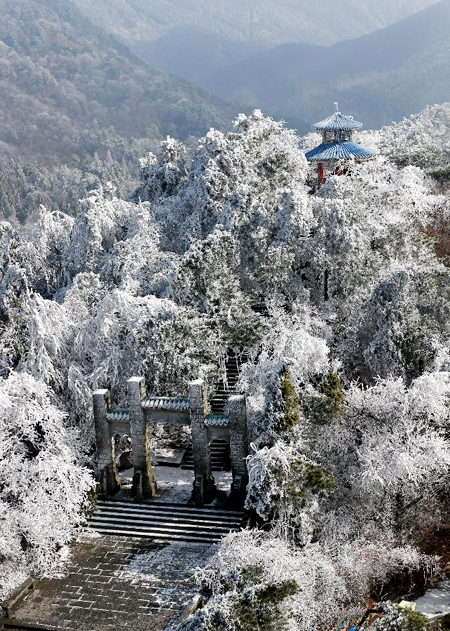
x,y
320,174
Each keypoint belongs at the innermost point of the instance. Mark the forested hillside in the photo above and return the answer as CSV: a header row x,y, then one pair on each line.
x,y
69,90
379,77
24,187
255,23
191,37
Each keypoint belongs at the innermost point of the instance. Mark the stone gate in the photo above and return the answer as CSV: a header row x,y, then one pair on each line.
x,y
136,420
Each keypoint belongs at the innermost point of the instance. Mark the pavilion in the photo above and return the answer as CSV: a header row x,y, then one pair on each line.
x,y
337,145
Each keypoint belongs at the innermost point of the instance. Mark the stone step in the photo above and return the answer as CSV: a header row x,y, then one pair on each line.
x,y
171,506
216,465
219,456
14,625
190,467
158,536
183,527
212,519
215,462
215,454
164,521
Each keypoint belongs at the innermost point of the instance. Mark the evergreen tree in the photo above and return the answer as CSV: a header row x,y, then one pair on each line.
x,y
283,405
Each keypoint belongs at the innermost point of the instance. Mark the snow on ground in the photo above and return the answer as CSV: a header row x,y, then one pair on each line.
x,y
175,484
436,601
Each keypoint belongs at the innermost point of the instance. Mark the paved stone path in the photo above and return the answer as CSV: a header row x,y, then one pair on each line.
x,y
116,583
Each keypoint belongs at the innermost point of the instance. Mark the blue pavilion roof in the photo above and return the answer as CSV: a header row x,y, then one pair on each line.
x,y
338,122
339,151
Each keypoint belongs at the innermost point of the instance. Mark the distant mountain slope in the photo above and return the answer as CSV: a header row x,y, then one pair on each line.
x,y
67,88
191,37
253,22
378,77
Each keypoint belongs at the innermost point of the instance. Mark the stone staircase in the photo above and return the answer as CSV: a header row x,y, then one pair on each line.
x,y
164,522
233,363
223,390
220,456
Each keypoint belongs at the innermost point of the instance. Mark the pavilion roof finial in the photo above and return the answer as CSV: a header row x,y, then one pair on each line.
x,y
336,107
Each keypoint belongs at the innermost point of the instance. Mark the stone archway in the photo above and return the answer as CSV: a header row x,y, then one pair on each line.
x,y
143,412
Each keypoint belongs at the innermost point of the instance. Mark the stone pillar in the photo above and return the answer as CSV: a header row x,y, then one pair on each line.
x,y
204,485
237,411
144,485
106,472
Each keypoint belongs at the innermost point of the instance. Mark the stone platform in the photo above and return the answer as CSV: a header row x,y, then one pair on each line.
x,y
115,583
175,485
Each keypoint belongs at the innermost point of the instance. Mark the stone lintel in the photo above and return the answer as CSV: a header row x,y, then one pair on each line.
x,y
100,392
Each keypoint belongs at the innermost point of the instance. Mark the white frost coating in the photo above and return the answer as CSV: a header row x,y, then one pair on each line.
x,y
228,249
41,488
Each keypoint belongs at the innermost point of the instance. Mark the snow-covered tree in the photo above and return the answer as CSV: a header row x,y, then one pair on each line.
x,y
285,489
290,588
42,488
400,618
336,301
389,457
161,176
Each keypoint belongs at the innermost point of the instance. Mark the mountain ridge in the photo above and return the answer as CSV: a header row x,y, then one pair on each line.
x,y
266,22
69,88
190,38
377,77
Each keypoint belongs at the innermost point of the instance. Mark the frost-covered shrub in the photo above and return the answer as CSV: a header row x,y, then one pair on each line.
x,y
401,619
296,340
42,488
282,411
161,176
285,488
208,280
391,445
322,585
325,404
398,329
